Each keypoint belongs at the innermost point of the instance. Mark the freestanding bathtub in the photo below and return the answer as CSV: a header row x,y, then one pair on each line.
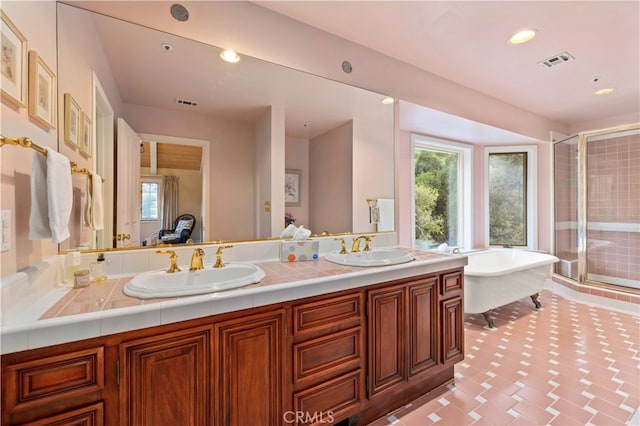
x,y
496,277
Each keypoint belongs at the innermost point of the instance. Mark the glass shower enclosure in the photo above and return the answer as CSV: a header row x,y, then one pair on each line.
x,y
597,207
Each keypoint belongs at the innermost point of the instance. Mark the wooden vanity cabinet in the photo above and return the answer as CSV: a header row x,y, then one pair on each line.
x,y
357,354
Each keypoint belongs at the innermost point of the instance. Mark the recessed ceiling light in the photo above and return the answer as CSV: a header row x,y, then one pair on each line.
x,y
388,101
230,56
603,91
523,36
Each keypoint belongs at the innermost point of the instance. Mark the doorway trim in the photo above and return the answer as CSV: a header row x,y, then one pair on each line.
x,y
205,145
103,162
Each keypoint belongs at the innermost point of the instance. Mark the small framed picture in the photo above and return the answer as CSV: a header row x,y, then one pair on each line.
x,y
292,187
85,134
42,92
71,120
13,64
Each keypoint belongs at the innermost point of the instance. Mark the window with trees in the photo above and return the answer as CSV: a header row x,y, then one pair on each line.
x,y
510,199
442,187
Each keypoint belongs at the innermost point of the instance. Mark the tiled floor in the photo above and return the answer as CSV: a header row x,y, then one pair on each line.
x,y
567,364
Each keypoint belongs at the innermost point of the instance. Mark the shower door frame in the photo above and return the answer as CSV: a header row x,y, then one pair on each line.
x,y
582,205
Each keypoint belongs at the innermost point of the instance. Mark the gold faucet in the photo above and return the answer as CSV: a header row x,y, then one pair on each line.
x,y
343,246
355,247
196,260
219,263
174,260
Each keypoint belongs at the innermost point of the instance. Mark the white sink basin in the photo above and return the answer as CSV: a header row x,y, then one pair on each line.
x,y
370,258
186,283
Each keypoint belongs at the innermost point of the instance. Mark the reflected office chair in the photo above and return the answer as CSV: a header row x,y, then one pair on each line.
x,y
181,232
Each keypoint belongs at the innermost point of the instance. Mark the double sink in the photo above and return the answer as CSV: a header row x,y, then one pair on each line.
x,y
160,283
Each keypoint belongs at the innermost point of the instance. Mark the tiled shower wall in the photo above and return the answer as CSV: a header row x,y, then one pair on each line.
x,y
613,207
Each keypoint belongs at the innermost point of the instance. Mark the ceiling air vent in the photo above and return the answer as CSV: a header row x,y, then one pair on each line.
x,y
186,102
558,59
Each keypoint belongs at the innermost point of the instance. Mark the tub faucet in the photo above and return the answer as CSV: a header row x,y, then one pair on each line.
x,y
456,250
355,247
219,263
196,260
174,260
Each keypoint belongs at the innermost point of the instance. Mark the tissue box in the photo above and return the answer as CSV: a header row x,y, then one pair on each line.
x,y
296,251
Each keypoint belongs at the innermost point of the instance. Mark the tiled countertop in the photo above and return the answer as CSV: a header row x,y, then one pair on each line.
x,y
102,308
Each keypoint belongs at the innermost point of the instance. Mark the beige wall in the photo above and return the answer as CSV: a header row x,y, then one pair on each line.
x,y
330,180
37,22
232,171
297,158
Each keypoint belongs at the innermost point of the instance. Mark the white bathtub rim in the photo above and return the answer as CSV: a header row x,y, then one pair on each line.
x,y
487,270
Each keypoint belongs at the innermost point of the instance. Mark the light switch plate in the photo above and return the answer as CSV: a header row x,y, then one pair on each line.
x,y
6,229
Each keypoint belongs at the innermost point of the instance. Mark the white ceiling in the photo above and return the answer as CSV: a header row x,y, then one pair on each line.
x,y
147,74
466,42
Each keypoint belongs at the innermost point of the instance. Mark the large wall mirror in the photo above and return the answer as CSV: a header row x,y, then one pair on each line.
x,y
255,124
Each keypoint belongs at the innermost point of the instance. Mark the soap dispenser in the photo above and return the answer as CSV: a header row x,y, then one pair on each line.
x,y
97,268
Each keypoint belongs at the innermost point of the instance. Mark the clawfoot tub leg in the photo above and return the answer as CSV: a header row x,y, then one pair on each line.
x,y
536,302
489,320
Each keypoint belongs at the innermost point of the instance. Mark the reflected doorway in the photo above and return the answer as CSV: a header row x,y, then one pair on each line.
x,y
187,160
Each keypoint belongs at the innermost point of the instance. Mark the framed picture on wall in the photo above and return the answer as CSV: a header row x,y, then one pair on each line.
x,y
292,187
13,63
85,134
71,120
42,92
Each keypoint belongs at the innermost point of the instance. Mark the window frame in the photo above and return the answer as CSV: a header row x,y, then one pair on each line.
x,y
159,181
465,184
531,177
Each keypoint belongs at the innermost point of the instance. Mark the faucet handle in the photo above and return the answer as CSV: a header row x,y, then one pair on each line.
x,y
219,263
343,245
367,240
173,258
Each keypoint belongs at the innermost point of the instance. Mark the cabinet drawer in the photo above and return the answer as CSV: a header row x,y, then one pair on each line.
x,y
451,283
53,378
92,415
336,312
327,356
330,401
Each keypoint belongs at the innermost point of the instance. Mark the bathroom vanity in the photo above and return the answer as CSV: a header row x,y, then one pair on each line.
x,y
345,343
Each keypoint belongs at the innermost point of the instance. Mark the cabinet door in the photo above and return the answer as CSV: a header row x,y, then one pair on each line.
x,y
423,325
249,371
165,379
452,330
387,325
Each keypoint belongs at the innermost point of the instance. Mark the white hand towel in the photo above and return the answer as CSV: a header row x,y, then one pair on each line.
x,y
97,203
86,211
60,195
39,215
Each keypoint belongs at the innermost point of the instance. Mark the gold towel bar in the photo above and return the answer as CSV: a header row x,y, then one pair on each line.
x,y
75,169
28,143
23,142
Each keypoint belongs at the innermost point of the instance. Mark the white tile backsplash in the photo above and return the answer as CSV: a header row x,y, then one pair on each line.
x,y
142,260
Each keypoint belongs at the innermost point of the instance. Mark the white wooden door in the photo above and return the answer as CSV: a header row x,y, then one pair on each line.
x,y
127,187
